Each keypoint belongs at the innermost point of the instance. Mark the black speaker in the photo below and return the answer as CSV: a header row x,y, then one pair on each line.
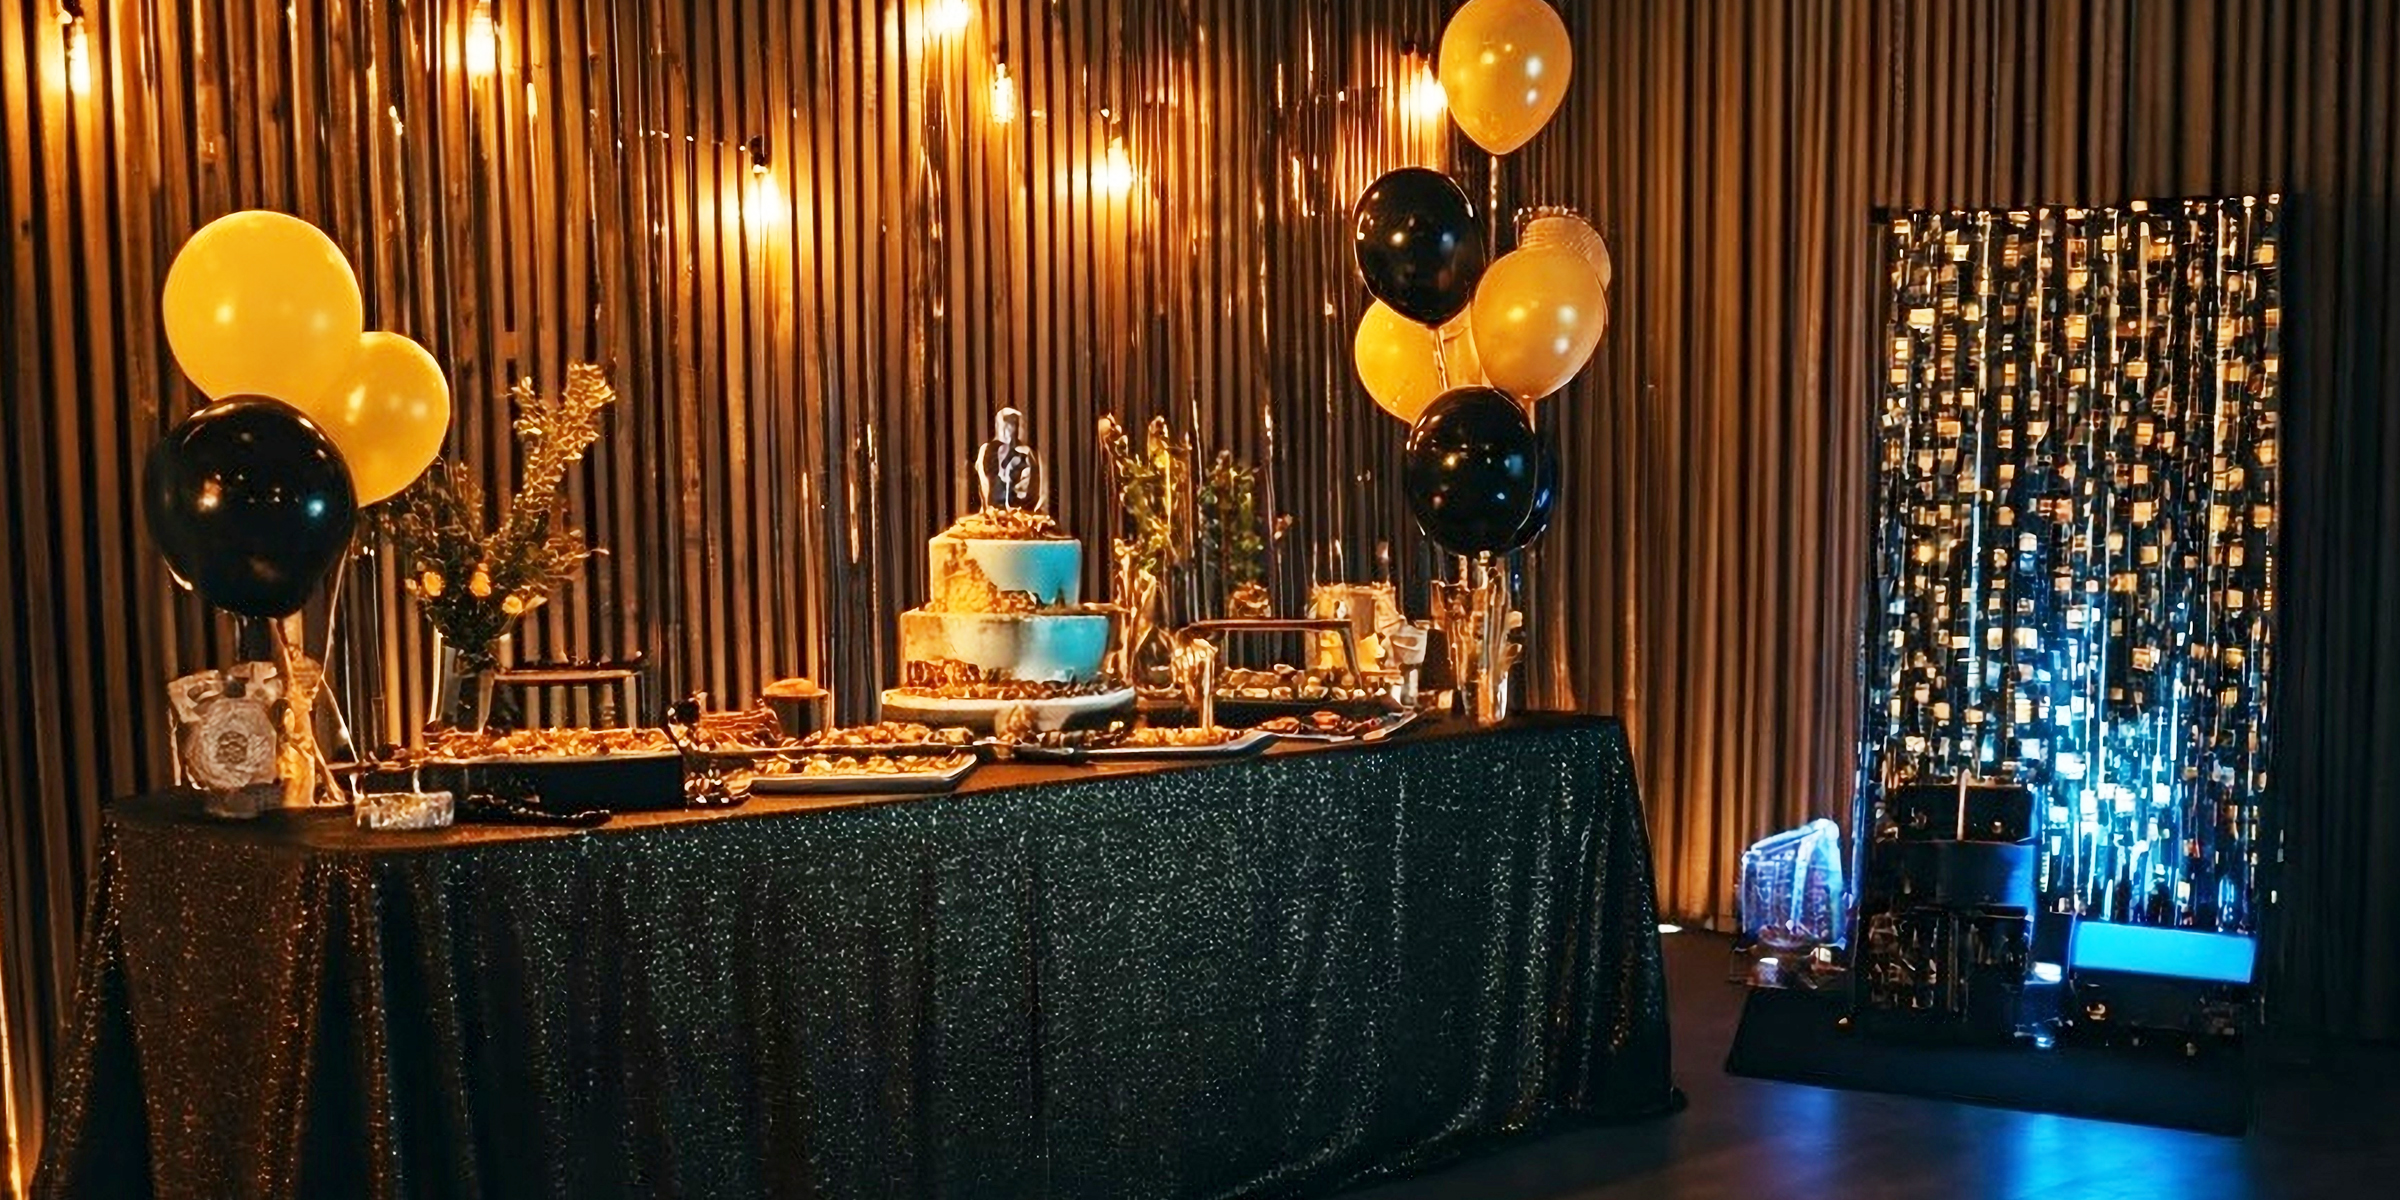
x,y
1977,812
1946,901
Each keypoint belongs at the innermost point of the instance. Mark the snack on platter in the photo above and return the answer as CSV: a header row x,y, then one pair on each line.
x,y
886,735
557,770
857,774
1147,737
737,732
864,764
1119,742
1289,683
1175,737
460,744
1324,725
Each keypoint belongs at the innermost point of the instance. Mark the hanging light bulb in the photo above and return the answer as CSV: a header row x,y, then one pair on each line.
x,y
762,201
1116,169
1004,96
949,18
79,59
483,42
1426,98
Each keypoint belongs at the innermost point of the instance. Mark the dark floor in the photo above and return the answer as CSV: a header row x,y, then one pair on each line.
x,y
2331,1129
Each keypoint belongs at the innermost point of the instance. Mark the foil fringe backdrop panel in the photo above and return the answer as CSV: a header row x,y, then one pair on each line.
x,y
811,258
2077,457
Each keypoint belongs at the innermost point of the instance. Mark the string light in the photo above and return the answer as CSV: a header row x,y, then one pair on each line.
x,y
483,42
949,18
762,201
1425,95
1116,169
79,59
1004,95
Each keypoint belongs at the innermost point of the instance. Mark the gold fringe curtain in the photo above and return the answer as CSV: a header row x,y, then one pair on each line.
x,y
800,236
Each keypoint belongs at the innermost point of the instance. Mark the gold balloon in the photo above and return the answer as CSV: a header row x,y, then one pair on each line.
x,y
1537,316
1572,232
262,304
387,414
1504,67
1402,362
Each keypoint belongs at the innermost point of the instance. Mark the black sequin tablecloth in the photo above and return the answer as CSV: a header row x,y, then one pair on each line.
x,y
1268,977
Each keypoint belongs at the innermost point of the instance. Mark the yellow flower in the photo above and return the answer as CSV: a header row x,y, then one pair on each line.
x,y
479,584
513,605
431,584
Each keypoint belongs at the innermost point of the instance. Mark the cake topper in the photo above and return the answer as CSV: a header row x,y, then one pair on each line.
x,y
1008,469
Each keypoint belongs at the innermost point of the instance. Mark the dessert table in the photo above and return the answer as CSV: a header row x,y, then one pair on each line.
x,y
1271,976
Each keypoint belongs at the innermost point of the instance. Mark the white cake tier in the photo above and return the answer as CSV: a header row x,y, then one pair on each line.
x,y
967,572
1035,647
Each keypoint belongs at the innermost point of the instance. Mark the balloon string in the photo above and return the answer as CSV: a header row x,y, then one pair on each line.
x,y
333,624
1491,211
328,789
371,596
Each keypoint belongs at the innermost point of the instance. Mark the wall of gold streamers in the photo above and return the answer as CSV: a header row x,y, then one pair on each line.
x,y
816,245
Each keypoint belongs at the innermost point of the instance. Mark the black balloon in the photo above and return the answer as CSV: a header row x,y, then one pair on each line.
x,y
250,503
1545,497
1473,471
1419,245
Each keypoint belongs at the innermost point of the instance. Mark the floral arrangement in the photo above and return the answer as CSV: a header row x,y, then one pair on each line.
x,y
475,581
1233,540
1150,490
1188,525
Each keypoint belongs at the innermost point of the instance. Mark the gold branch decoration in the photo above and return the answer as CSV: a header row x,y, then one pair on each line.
x,y
475,581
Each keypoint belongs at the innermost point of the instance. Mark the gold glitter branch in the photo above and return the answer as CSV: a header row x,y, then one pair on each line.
x,y
472,583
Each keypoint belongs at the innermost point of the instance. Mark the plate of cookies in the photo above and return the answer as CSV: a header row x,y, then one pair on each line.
x,y
859,774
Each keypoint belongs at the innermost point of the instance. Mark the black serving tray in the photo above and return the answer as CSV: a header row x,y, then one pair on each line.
x,y
644,782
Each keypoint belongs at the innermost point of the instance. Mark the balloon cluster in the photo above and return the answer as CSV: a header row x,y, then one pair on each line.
x,y
1458,343
254,497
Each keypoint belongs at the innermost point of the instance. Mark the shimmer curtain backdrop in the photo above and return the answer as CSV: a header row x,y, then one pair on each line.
x,y
815,257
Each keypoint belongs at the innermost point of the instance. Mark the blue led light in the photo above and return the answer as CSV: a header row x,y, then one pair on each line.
x,y
2151,950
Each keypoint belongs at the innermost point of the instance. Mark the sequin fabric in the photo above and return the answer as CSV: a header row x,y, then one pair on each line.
x,y
1271,977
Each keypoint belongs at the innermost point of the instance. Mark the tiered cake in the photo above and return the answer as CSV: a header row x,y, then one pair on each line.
x,y
1005,639
1006,608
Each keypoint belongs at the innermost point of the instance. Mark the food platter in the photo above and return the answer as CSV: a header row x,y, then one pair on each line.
x,y
616,781
1243,744
871,775
1060,712
1248,742
892,738
1373,729
627,758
